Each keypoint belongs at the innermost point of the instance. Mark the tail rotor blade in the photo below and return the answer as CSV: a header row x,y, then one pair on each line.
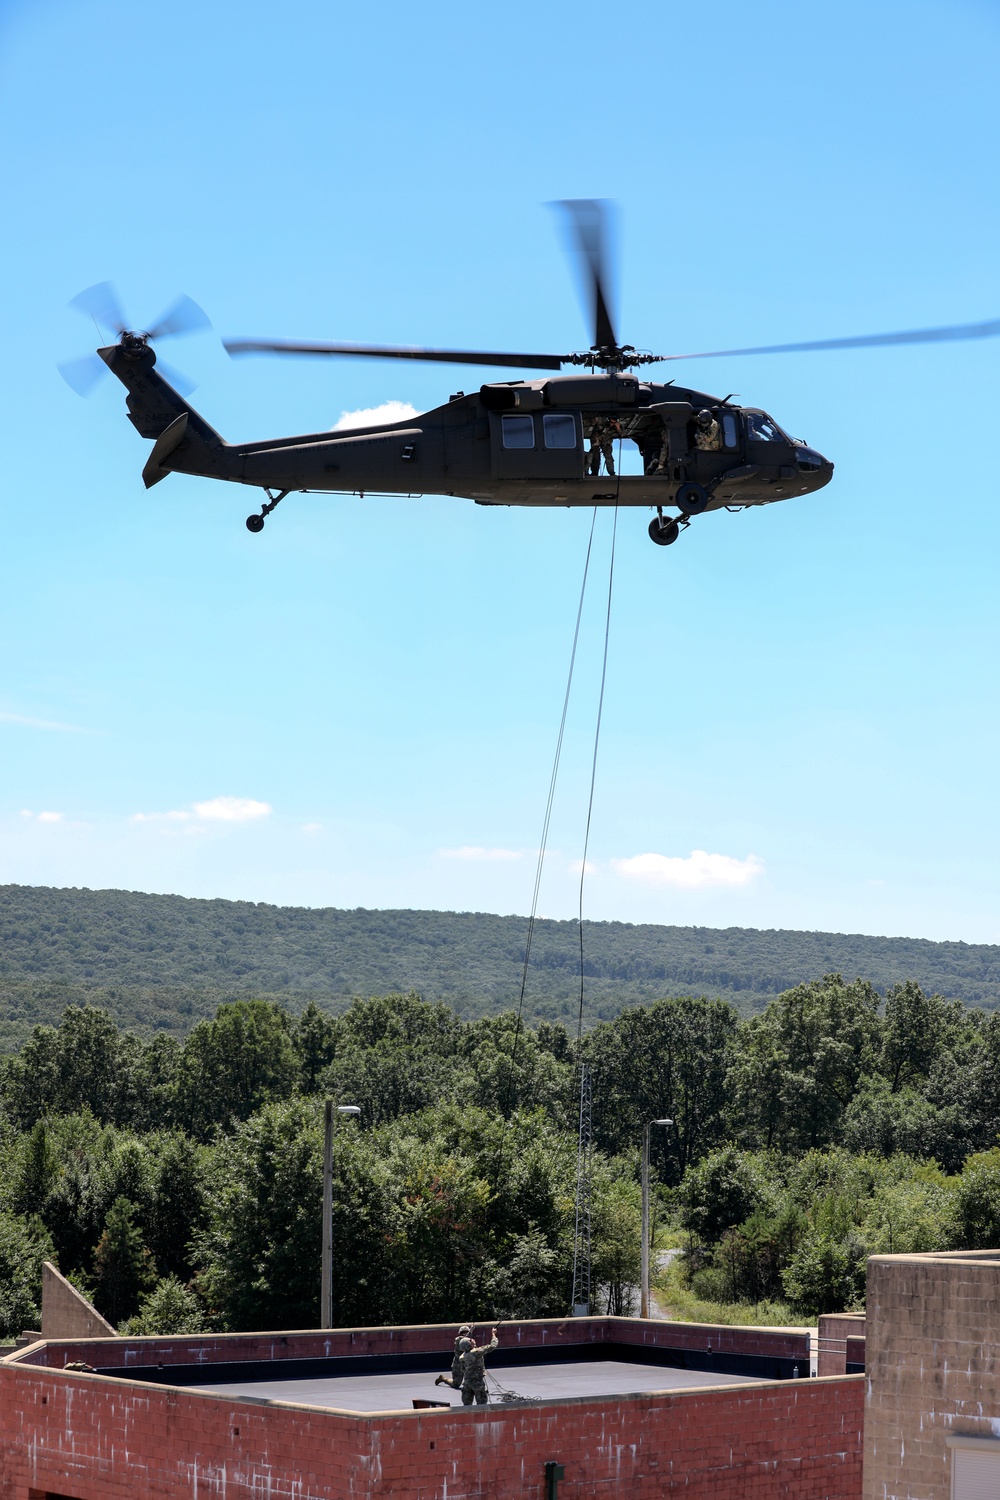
x,y
181,383
587,220
185,316
100,302
83,375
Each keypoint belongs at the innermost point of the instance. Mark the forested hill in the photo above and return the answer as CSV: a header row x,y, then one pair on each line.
x,y
162,962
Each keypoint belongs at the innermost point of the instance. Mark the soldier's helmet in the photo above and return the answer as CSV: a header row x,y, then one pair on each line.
x,y
465,1328
704,417
464,1345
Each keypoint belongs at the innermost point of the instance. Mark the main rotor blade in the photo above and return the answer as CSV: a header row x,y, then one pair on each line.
x,y
184,316
588,222
101,303
952,333
386,351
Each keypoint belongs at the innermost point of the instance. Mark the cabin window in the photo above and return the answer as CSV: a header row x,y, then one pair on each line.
x,y
729,434
518,432
762,429
559,429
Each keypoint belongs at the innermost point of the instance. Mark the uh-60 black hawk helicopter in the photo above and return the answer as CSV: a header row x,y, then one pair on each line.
x,y
517,442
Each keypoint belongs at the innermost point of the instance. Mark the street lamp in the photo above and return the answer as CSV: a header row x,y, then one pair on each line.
x,y
326,1285
644,1292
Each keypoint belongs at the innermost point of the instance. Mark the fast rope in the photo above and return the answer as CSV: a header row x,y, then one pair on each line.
x,y
593,764
581,1293
543,845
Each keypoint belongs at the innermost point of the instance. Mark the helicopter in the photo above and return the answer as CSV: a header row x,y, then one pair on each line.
x,y
544,442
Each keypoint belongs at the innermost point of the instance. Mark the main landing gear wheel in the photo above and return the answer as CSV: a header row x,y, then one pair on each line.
x,y
663,533
691,498
255,523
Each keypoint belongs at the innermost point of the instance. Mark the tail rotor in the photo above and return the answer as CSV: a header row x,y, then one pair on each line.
x,y
101,304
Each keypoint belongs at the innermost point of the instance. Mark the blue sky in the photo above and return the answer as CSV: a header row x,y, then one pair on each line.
x,y
358,707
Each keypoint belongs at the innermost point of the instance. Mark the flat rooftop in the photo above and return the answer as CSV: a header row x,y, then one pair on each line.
x,y
397,1390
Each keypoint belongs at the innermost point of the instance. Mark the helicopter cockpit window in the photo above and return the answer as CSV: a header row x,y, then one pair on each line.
x,y
559,429
761,428
730,435
518,432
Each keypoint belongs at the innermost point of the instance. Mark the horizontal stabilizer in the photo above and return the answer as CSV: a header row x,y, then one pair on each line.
x,y
165,444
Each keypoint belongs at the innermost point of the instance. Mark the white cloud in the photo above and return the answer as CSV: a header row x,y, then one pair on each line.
x,y
216,810
164,817
699,869
373,416
232,809
26,722
50,817
474,851
311,827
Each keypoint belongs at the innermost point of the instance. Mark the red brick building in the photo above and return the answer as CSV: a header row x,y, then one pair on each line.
x,y
748,1422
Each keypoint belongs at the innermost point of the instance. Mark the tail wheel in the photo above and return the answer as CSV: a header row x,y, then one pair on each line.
x,y
255,523
664,535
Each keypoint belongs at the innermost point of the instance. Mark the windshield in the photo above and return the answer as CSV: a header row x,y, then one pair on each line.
x,y
763,428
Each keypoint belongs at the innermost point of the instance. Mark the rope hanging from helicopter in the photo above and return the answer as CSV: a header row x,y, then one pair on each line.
x,y
542,849
543,845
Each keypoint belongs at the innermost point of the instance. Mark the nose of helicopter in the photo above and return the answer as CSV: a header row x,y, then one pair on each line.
x,y
812,465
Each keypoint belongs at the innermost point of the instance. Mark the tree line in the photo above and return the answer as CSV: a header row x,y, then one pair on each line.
x,y
178,1182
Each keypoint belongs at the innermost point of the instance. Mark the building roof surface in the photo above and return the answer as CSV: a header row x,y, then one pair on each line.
x,y
396,1390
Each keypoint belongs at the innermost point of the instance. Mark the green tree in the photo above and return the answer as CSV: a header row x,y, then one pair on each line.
x,y
83,1063
171,1307
179,1209
617,1243
123,1266
722,1191
796,1067
882,1122
977,1202
260,1253
666,1059
24,1245
822,1275
914,1027
314,1041
233,1065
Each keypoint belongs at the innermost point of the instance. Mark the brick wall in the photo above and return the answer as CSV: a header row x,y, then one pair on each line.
x,y
97,1438
419,1338
932,1367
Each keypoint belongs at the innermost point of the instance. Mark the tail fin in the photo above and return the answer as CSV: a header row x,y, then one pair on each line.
x,y
156,410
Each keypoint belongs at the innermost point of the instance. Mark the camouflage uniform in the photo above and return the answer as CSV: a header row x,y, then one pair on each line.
x,y
602,434
474,1373
462,1343
709,437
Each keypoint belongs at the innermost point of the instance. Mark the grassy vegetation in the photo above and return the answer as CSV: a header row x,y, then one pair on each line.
x,y
676,1298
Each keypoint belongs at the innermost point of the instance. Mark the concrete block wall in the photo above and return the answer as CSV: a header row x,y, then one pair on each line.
x,y
97,1438
66,1313
932,1367
841,1340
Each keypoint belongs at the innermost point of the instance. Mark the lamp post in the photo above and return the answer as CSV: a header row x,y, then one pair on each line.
x,y
644,1291
326,1284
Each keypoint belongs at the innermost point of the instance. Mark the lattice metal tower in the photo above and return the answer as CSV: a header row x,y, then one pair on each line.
x,y
584,1164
